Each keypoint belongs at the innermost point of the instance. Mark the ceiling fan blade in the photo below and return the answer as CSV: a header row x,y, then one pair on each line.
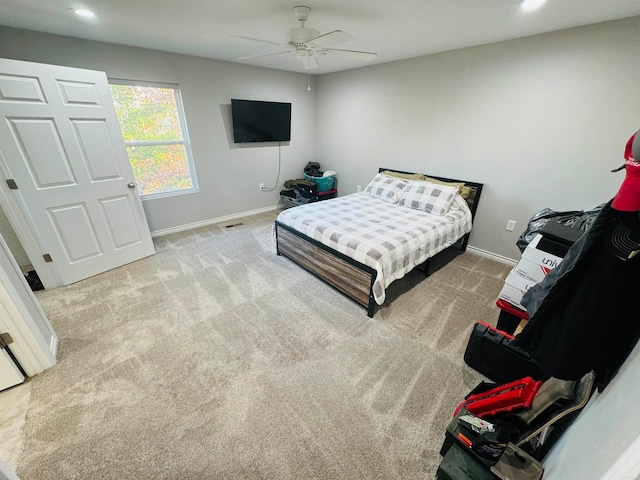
x,y
258,40
352,54
263,55
309,62
331,38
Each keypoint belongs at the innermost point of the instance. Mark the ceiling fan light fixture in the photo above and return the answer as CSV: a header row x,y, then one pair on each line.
x,y
308,60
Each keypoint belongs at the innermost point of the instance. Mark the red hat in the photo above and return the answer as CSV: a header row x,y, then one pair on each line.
x,y
628,197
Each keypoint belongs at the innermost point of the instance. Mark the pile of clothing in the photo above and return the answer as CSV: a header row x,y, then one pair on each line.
x,y
302,189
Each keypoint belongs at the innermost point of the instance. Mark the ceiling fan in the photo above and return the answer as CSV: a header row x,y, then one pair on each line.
x,y
308,44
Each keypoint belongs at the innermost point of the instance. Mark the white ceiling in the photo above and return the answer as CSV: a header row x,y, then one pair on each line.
x,y
393,29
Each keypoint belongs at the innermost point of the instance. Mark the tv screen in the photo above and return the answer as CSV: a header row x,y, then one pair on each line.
x,y
257,121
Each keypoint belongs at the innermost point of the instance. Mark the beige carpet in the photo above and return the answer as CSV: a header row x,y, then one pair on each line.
x,y
217,359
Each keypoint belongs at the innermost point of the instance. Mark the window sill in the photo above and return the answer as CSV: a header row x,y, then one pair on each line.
x,y
172,193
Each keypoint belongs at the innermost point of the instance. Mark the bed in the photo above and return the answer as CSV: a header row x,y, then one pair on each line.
x,y
359,244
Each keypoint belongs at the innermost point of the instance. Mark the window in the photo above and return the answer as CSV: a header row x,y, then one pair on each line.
x,y
155,135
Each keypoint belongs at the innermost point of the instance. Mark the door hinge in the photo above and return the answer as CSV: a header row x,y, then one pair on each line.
x,y
47,258
12,184
5,339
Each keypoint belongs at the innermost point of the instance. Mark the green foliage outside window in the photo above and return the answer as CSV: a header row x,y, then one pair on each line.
x,y
153,136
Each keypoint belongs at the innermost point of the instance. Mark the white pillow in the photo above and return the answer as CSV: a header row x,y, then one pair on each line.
x,y
385,188
430,197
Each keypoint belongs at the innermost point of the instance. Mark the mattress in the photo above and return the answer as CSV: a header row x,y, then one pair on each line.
x,y
389,238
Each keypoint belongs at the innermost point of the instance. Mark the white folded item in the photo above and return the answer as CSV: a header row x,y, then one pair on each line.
x,y
328,173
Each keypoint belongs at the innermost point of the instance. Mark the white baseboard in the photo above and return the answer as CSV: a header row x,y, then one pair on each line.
x,y
211,221
235,216
627,465
492,256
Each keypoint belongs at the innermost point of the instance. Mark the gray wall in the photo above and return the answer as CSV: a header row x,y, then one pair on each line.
x,y
540,121
228,174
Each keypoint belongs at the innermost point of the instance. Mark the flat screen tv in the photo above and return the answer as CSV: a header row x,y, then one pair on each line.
x,y
258,121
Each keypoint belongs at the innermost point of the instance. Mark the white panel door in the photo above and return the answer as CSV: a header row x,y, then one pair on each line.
x,y
61,142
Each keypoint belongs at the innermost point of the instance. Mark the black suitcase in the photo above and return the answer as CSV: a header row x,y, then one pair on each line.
x,y
489,352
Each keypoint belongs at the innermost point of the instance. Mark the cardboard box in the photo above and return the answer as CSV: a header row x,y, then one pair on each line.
x,y
514,288
519,282
530,271
533,254
512,295
533,266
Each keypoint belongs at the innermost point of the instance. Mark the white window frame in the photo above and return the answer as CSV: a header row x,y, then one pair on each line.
x,y
186,142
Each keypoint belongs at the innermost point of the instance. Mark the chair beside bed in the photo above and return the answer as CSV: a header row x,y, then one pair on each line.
x,y
351,276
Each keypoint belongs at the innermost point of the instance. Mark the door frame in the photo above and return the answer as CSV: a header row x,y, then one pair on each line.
x,y
11,204
22,316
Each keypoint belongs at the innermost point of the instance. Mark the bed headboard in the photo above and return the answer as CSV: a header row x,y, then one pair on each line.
x,y
474,196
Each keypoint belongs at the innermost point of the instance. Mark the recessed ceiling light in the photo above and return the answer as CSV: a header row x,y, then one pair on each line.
x,y
531,4
83,12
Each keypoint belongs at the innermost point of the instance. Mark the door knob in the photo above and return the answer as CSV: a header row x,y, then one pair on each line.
x,y
131,185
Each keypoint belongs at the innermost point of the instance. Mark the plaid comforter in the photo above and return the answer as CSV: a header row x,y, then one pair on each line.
x,y
389,238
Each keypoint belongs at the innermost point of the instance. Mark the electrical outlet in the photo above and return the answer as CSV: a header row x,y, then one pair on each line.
x,y
359,188
261,186
511,224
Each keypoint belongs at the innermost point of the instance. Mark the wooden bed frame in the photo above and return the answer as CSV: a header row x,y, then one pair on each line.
x,y
350,277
